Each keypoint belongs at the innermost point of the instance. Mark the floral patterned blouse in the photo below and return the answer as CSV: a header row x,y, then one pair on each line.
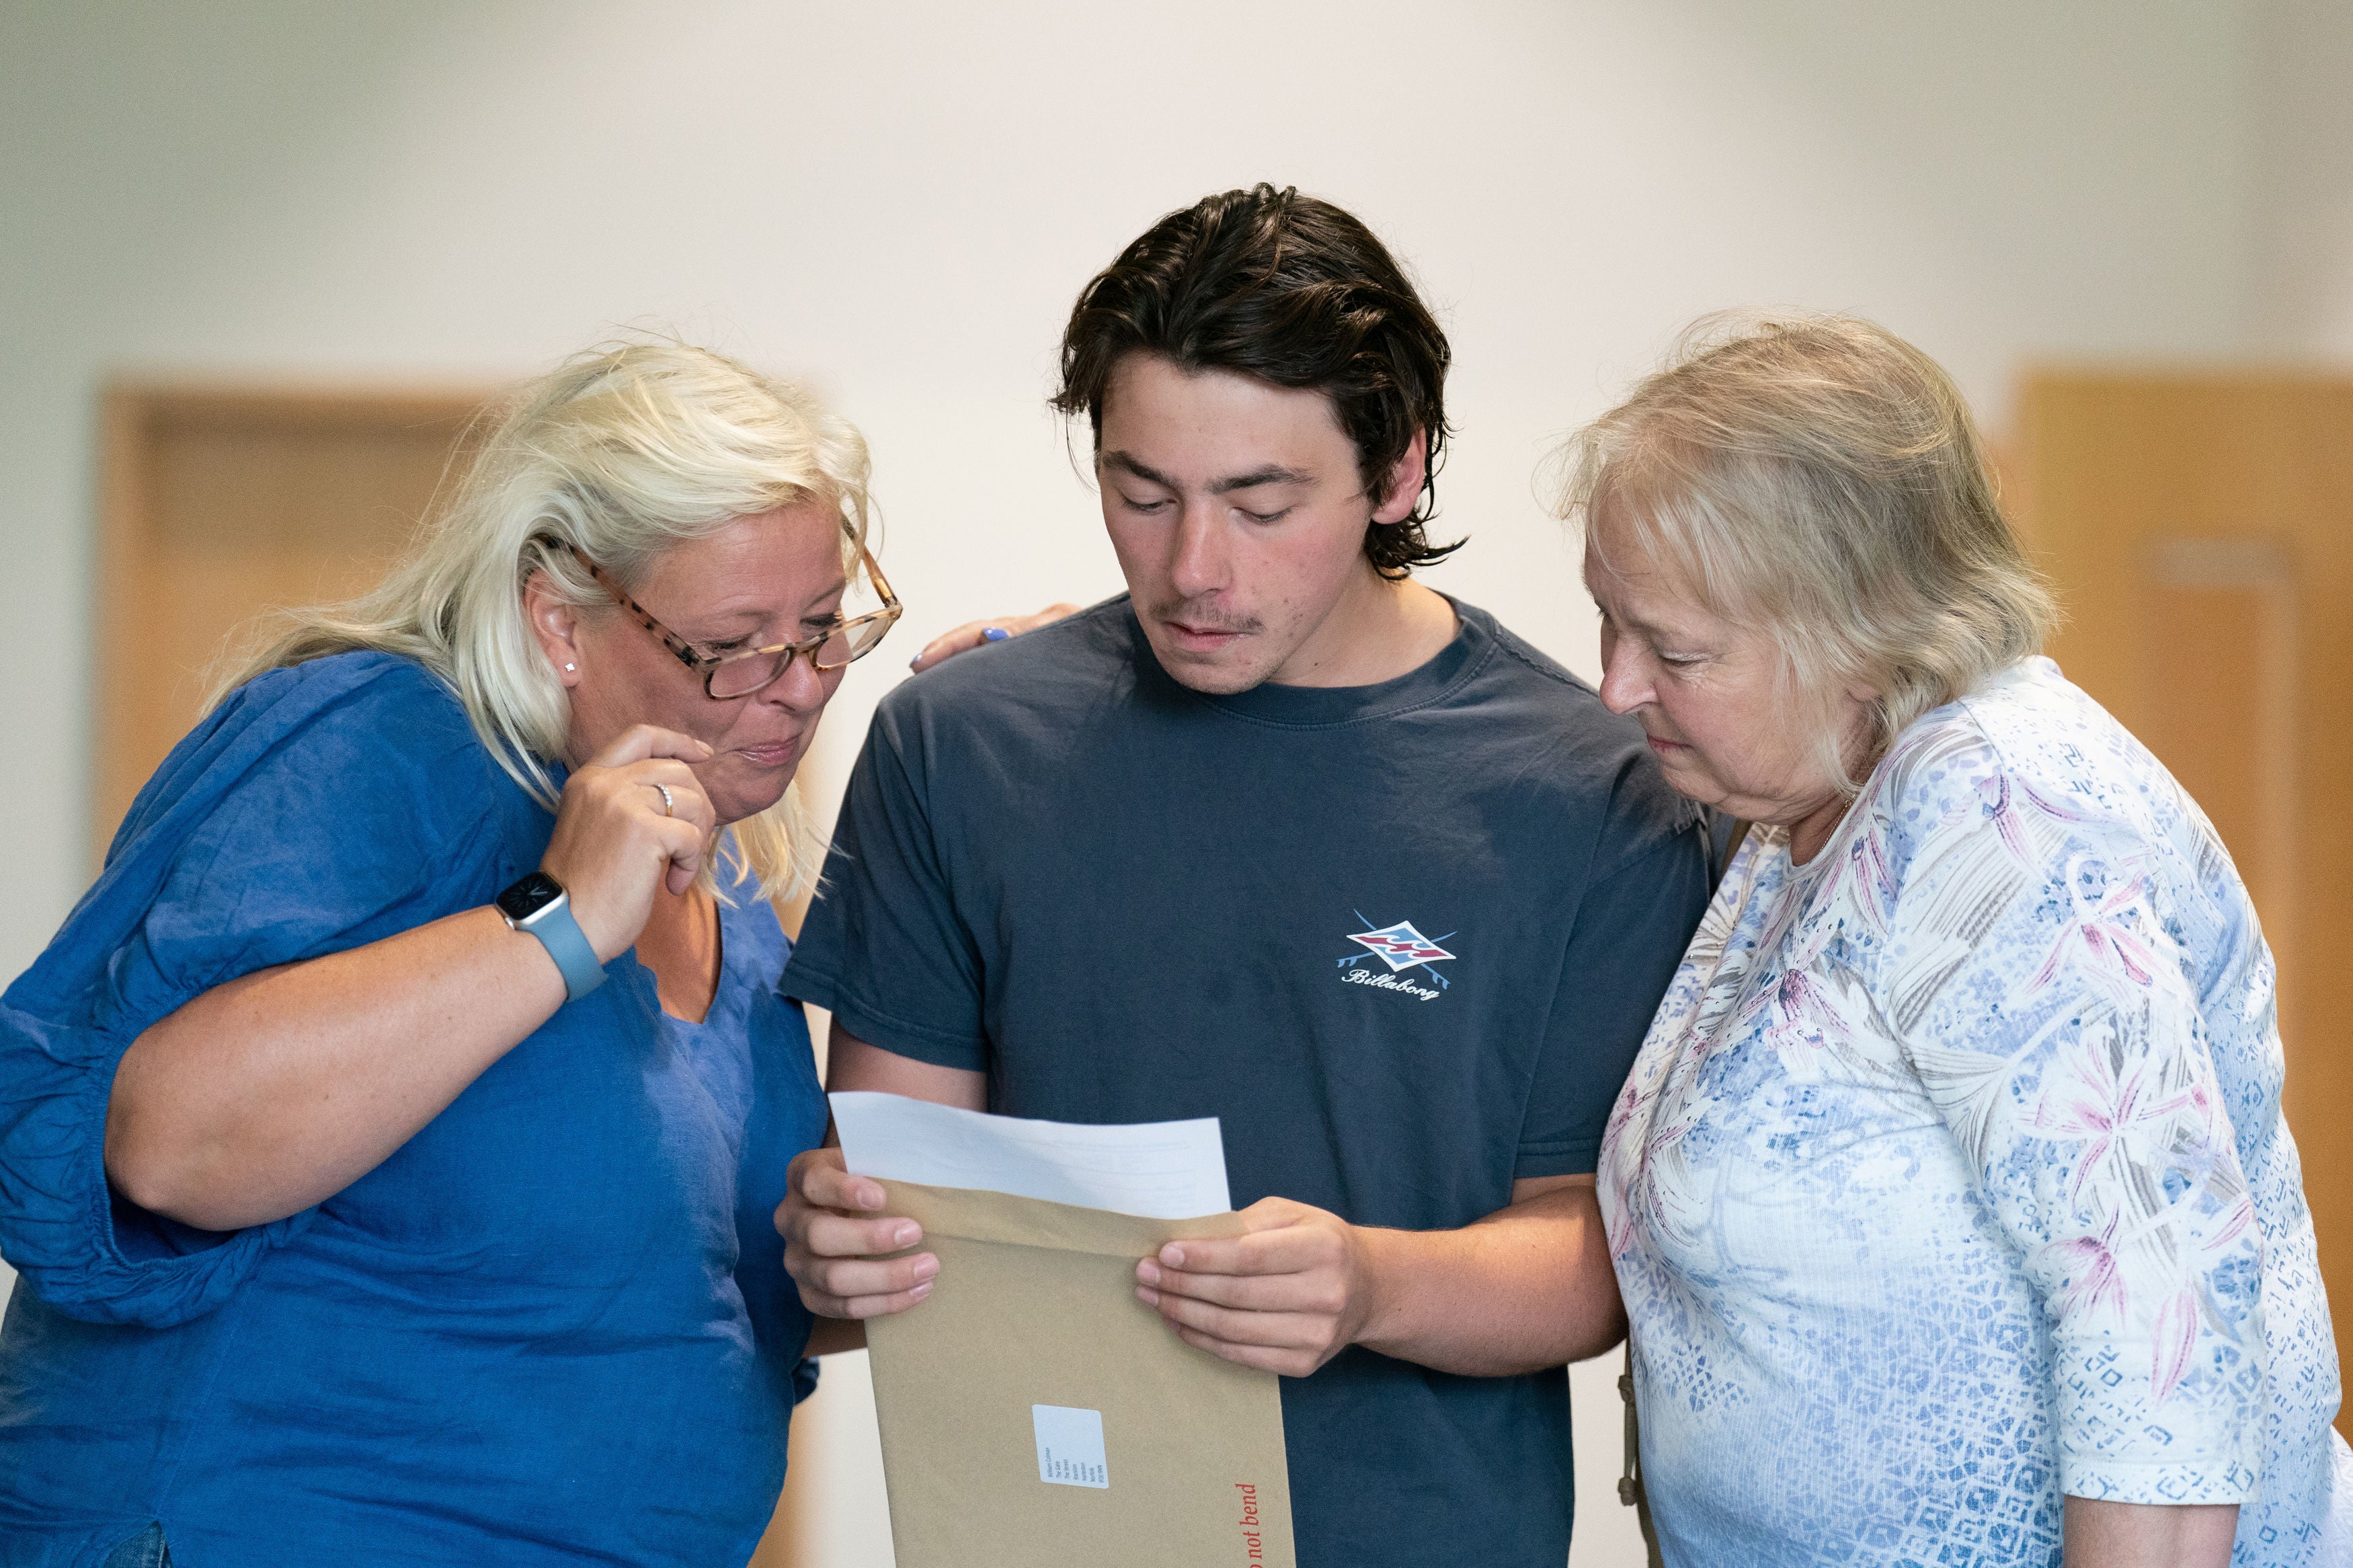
x,y
1951,1177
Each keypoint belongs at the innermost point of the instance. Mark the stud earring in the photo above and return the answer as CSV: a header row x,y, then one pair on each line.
x,y
567,670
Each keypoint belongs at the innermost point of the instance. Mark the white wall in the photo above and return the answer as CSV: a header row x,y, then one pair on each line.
x,y
2303,185
900,202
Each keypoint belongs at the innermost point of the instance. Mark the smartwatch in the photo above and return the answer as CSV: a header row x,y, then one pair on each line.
x,y
539,905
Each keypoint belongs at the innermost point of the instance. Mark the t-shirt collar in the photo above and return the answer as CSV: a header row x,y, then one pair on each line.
x,y
1320,705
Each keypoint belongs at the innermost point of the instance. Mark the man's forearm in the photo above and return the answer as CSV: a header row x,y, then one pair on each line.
x,y
832,1336
1528,1287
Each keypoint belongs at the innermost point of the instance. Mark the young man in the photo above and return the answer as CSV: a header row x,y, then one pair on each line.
x,y
1284,837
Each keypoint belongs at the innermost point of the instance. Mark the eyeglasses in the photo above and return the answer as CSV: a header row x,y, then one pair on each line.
x,y
727,676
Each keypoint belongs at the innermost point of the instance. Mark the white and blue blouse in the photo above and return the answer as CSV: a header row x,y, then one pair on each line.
x,y
1952,1180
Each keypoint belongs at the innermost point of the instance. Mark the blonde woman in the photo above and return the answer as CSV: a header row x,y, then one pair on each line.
x,y
391,1134
1950,1197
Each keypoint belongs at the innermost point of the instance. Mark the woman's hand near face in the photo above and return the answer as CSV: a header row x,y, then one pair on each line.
x,y
272,1092
615,842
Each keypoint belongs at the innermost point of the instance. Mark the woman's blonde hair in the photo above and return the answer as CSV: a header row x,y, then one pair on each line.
x,y
1821,479
625,451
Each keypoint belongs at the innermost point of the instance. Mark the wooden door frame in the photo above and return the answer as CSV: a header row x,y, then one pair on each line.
x,y
134,413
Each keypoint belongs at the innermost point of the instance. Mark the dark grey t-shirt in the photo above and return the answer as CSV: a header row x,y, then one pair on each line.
x,y
1402,940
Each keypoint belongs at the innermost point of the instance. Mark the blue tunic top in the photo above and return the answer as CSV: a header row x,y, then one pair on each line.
x,y
554,1326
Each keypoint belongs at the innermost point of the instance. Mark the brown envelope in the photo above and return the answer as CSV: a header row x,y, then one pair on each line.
x,y
1033,1329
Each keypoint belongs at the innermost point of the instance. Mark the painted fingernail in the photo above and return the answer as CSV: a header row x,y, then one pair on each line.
x,y
993,634
927,1267
905,1235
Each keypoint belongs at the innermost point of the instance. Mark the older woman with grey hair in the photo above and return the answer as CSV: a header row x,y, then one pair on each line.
x,y
1950,1199
390,1136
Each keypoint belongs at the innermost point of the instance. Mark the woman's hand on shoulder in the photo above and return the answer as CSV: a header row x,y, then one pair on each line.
x,y
975,634
616,839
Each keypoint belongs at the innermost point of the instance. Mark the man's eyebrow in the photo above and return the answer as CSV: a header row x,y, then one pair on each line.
x,y
1271,474
1128,465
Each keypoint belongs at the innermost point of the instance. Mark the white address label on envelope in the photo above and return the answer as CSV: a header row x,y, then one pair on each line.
x,y
1070,1445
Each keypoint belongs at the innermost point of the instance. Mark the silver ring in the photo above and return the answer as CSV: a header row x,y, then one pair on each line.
x,y
669,809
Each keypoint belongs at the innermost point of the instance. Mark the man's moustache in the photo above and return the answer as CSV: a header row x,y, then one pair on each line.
x,y
1200,623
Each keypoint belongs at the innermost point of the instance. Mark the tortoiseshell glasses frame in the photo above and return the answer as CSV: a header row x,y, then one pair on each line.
x,y
728,676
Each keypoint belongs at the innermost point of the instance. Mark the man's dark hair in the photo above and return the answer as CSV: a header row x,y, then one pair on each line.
x,y
1294,291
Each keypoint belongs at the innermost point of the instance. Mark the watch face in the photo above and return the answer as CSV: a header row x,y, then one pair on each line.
x,y
529,896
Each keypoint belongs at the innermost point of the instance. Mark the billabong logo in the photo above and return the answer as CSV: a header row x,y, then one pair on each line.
x,y
1401,948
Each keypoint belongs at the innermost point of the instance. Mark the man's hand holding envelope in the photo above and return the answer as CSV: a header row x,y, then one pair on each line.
x,y
1286,1295
1033,1411
1282,1287
850,1260
1299,1286
1526,1287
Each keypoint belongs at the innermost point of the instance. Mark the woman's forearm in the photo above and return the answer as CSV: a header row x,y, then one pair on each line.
x,y
264,1096
2100,1534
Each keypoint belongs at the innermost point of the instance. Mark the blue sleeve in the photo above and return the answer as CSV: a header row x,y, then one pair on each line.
x,y
310,818
1630,932
886,908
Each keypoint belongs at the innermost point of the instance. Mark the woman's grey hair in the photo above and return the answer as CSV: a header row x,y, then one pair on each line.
x,y
625,451
1821,479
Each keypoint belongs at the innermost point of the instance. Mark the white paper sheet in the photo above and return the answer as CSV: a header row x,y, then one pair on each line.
x,y
1159,1169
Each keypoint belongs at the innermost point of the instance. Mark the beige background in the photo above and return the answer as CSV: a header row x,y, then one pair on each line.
x,y
899,201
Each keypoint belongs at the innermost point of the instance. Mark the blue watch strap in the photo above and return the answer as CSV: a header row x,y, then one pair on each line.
x,y
568,946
